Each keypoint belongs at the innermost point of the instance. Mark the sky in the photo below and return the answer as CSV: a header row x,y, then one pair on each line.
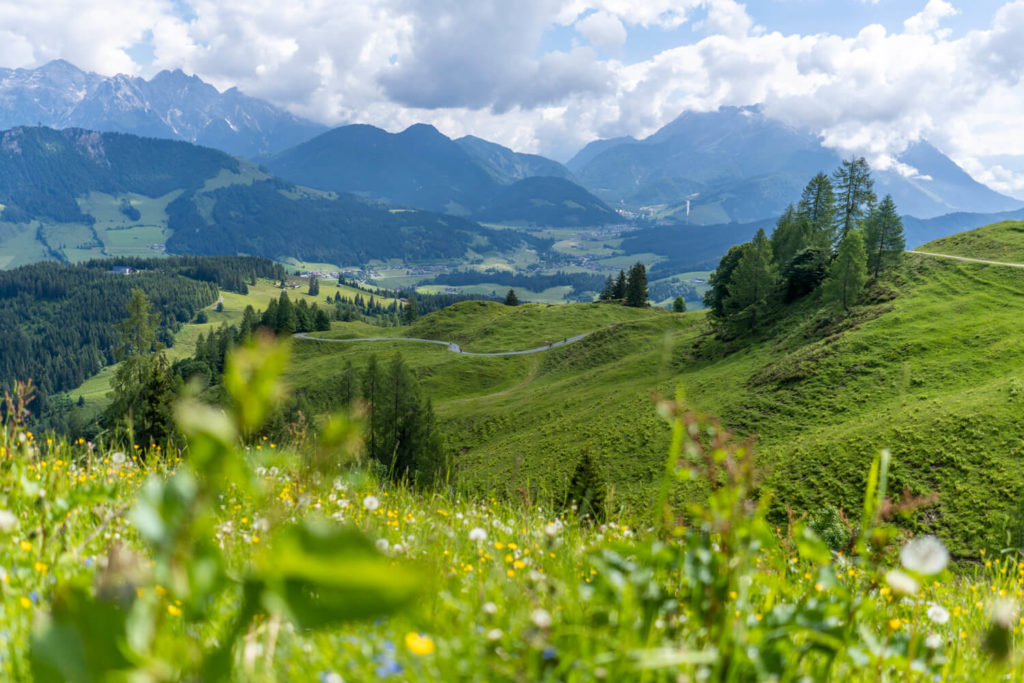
x,y
548,76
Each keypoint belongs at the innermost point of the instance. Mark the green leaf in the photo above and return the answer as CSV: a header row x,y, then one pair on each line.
x,y
318,573
81,641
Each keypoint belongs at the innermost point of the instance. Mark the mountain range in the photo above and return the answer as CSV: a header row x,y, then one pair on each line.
x,y
170,105
75,194
421,167
738,165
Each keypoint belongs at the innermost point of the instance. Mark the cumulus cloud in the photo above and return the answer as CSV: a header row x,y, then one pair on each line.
x,y
92,34
928,19
602,30
487,67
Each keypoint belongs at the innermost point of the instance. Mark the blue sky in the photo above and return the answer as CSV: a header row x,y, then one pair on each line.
x,y
805,17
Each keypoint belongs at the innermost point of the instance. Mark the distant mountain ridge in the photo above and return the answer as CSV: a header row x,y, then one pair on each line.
x,y
737,165
170,105
75,194
423,168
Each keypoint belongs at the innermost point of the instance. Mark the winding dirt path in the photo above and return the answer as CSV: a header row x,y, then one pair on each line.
x,y
965,258
452,346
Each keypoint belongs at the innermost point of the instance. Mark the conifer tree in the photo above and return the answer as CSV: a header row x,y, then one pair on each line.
x,y
608,291
818,207
679,305
349,383
854,193
620,286
883,236
314,286
754,286
848,273
791,234
511,299
587,489
287,320
410,312
636,286
371,394
721,279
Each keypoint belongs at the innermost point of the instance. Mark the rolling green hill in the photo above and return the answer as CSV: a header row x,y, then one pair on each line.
x,y
997,242
925,366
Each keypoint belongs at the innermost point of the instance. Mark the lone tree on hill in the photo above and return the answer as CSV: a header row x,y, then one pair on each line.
x,y
679,305
883,236
587,489
511,299
848,273
636,286
854,190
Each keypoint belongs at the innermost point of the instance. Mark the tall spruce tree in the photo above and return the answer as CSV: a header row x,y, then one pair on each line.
x,y
854,190
754,286
608,291
511,299
314,286
410,312
348,390
620,286
883,236
720,280
848,273
636,286
818,207
791,234
371,394
143,387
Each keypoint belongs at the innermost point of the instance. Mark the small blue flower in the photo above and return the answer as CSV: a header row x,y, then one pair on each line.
x,y
389,668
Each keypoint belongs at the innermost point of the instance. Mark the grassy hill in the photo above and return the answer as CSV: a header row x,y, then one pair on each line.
x,y
997,242
925,366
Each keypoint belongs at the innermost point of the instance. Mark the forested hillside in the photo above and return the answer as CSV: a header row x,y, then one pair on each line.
x,y
74,194
60,321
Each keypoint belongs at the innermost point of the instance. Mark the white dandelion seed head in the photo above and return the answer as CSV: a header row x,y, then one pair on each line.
x,y
8,521
924,555
938,614
382,545
1004,613
933,641
901,583
490,608
477,535
117,458
371,503
541,618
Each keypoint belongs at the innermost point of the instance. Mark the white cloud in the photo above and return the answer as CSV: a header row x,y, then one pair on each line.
x,y
602,30
928,19
482,67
